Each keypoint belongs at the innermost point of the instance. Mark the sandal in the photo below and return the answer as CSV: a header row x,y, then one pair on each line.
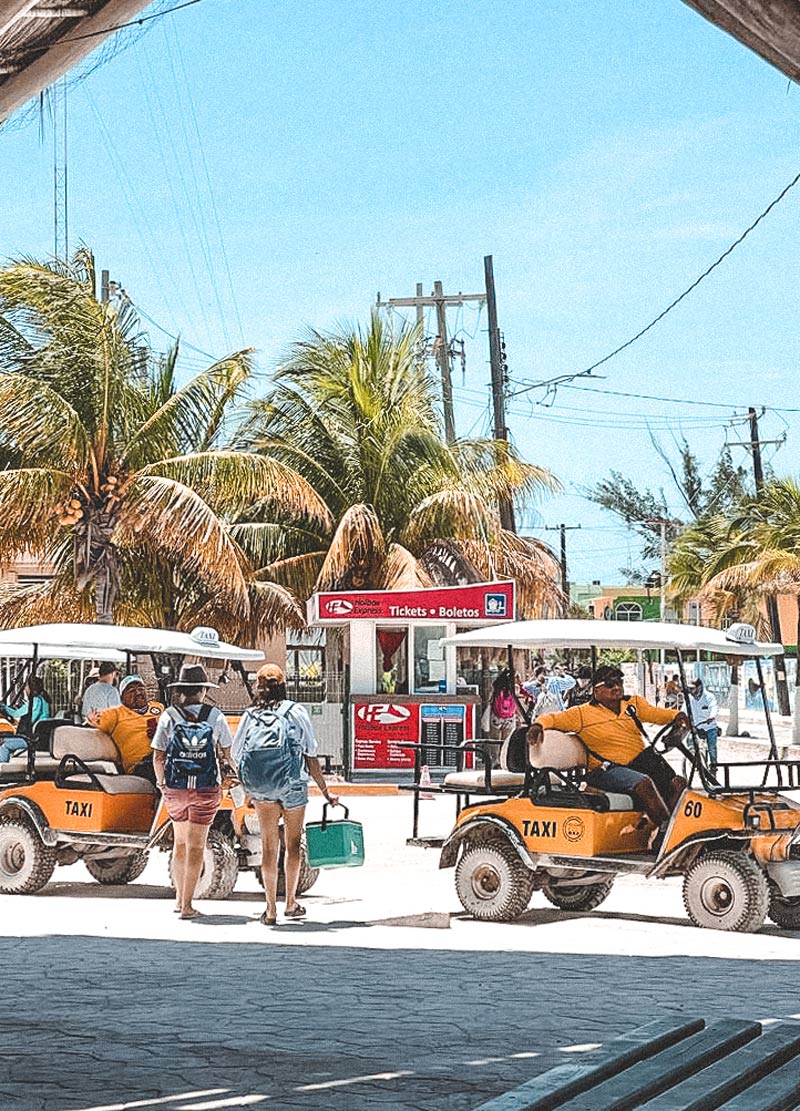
x,y
266,920
297,912
189,914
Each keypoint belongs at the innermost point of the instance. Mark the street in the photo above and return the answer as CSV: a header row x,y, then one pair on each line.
x,y
111,1002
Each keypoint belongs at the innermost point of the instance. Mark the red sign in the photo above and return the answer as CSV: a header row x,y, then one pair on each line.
x,y
477,604
379,728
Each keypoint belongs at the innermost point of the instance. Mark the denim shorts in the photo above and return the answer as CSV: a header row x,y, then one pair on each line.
x,y
619,779
289,797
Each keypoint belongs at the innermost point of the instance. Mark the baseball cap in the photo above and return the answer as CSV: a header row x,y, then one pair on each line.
x,y
270,672
129,680
607,676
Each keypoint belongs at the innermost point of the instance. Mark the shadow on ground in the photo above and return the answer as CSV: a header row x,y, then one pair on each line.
x,y
89,1022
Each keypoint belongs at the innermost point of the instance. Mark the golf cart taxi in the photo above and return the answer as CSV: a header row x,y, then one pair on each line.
x,y
734,836
67,798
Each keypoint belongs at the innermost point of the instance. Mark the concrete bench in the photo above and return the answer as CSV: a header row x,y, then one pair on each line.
x,y
669,1065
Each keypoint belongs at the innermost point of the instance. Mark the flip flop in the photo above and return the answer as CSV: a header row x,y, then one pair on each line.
x,y
267,921
298,912
186,915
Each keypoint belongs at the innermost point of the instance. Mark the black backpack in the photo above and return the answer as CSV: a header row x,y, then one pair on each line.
x,y
190,757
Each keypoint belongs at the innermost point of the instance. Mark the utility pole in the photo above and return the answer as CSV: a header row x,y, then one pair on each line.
x,y
781,686
499,375
440,301
563,529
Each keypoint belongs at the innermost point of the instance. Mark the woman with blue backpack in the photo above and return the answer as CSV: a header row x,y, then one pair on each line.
x,y
275,751
189,739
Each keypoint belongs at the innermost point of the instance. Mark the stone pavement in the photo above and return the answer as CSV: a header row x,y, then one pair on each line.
x,y
110,1002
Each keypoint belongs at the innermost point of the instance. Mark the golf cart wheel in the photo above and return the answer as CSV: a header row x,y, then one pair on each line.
x,y
26,864
785,911
307,877
117,869
220,867
492,883
726,891
584,896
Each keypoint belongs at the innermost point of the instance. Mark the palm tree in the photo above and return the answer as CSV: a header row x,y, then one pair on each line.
x,y
113,473
754,554
354,412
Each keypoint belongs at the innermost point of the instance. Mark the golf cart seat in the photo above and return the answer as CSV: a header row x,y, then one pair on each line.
x,y
474,781
566,752
92,746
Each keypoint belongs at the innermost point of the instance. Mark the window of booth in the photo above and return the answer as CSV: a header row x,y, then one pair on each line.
x,y
391,660
429,662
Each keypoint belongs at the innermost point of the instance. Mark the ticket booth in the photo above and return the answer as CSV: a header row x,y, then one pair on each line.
x,y
404,685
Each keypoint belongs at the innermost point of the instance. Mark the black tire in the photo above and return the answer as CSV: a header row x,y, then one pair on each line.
x,y
492,883
117,869
584,896
26,864
726,891
220,867
307,878
785,911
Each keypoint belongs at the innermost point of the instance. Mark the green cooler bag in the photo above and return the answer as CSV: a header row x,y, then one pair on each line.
x,y
335,844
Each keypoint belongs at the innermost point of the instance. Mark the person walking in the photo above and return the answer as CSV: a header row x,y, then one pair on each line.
x,y
35,708
275,751
102,694
187,744
703,706
501,713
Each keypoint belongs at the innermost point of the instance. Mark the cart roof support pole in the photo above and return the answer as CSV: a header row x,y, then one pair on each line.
x,y
773,748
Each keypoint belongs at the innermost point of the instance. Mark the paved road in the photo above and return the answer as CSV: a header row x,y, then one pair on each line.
x,y
110,1002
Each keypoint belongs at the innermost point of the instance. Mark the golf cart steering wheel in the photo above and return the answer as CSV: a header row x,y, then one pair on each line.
x,y
670,736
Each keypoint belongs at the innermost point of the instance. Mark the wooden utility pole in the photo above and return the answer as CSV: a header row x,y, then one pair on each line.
x,y
440,301
781,685
563,529
498,368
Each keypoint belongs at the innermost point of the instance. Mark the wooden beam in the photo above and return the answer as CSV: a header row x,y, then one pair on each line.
x,y
13,10
62,56
771,28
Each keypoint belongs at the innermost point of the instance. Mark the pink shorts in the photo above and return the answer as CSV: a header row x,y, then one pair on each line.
x,y
198,807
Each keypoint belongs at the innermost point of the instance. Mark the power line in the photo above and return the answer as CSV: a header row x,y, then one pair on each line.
x,y
675,400
689,289
131,22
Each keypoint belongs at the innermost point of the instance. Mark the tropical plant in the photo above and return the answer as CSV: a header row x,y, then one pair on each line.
x,y
355,413
114,474
700,497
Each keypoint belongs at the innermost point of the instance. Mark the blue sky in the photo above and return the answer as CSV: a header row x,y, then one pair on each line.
x,y
604,154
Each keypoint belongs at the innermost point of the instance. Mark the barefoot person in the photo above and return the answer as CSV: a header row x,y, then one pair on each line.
x,y
275,750
187,744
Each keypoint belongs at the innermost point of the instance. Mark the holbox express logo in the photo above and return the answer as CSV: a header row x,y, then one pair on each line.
x,y
338,607
382,713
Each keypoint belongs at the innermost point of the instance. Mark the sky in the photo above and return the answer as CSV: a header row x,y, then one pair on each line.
x,y
248,169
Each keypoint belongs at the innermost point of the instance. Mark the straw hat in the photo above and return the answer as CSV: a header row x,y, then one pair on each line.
x,y
193,675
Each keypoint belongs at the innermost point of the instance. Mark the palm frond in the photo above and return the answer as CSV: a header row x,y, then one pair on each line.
x,y
232,480
30,499
299,574
37,420
404,571
356,558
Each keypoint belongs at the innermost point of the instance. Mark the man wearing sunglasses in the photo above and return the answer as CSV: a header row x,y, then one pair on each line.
x,y
615,744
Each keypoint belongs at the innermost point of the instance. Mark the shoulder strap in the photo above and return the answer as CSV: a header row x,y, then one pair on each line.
x,y
205,712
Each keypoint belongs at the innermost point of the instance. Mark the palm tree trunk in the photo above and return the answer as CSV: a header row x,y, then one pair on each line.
x,y
104,596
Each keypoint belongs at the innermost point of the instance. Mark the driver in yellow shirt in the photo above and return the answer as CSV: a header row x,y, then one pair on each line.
x,y
614,742
131,727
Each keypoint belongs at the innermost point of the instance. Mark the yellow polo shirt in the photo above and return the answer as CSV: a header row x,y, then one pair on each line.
x,y
613,736
129,732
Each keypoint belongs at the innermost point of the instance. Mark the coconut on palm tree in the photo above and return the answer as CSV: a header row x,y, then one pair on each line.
x,y
111,472
355,413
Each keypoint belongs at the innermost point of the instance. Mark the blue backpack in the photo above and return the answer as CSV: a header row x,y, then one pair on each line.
x,y
191,758
269,758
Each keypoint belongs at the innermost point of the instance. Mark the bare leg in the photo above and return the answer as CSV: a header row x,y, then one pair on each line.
x,y
645,795
293,822
268,817
179,861
195,847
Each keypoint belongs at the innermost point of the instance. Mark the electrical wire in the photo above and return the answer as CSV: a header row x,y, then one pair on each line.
x,y
689,289
131,22
675,400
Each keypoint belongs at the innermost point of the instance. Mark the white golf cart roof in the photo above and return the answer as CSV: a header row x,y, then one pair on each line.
x,y
24,651
739,640
98,640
